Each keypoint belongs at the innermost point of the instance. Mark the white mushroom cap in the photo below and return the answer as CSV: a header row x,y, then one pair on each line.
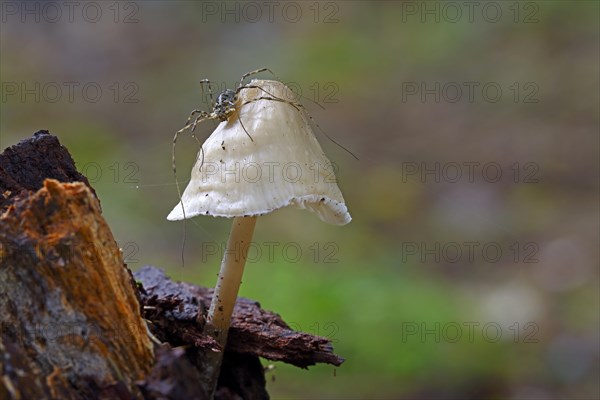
x,y
282,165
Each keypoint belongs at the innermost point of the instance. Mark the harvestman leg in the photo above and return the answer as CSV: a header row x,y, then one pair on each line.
x,y
241,86
204,116
247,74
207,82
301,109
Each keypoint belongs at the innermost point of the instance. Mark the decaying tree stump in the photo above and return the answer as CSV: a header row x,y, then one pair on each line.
x,y
74,323
66,298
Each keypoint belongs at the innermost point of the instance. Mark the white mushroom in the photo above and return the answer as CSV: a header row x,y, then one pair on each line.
x,y
268,160
282,165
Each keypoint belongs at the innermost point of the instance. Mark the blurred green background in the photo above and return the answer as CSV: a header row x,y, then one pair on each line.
x,y
415,314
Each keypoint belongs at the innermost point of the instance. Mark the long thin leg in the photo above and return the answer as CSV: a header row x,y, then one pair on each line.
x,y
298,105
203,117
192,116
247,74
198,120
240,86
257,87
243,127
210,93
313,101
179,189
175,165
273,99
302,110
265,91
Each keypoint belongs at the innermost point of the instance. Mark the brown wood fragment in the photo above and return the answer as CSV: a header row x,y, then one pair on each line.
x,y
25,166
173,309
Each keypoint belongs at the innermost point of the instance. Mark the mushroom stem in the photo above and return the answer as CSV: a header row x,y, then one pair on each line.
x,y
230,277
228,285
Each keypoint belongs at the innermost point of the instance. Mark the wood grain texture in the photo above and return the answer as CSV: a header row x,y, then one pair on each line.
x,y
67,298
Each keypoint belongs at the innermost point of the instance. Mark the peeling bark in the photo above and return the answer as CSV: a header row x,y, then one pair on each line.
x,y
177,311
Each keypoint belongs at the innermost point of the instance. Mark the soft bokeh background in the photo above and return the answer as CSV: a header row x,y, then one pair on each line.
x,y
413,318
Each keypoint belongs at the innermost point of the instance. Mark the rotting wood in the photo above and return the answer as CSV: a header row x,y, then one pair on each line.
x,y
67,297
25,166
174,307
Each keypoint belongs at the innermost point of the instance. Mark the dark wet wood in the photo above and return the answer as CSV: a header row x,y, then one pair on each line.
x,y
25,166
174,309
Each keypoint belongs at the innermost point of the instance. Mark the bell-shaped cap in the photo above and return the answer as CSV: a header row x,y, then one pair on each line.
x,y
282,165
